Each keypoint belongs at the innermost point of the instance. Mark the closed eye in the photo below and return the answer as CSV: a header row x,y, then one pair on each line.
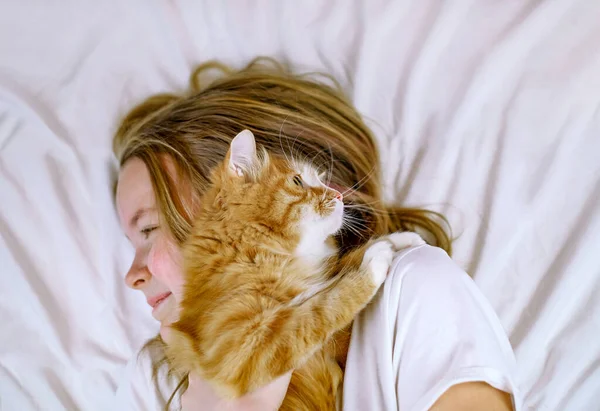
x,y
146,231
298,181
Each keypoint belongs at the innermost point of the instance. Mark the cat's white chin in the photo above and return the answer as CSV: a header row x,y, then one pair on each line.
x,y
315,232
337,217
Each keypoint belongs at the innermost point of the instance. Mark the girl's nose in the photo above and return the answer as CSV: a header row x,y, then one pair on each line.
x,y
137,276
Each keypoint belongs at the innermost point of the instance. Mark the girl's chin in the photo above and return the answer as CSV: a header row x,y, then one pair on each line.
x,y
166,311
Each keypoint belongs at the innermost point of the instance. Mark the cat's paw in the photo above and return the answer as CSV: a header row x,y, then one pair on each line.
x,y
404,240
378,259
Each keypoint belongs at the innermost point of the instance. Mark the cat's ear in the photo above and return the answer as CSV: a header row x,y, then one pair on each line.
x,y
242,153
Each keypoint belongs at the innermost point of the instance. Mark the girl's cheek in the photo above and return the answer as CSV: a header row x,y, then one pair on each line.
x,y
164,261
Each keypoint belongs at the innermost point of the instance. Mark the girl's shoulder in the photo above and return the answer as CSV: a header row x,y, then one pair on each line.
x,y
424,280
431,328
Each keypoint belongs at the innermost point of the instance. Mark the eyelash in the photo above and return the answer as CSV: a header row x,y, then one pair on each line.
x,y
146,231
298,181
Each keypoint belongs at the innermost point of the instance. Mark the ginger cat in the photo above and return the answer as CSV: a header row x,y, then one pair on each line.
x,y
265,289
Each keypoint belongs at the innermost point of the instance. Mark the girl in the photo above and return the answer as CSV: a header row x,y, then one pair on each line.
x,y
428,340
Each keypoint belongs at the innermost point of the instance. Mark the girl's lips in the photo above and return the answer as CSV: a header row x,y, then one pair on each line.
x,y
156,300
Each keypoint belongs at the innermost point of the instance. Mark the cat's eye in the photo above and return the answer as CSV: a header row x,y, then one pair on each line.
x,y
146,231
298,181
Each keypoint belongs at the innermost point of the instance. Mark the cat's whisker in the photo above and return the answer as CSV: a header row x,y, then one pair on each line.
x,y
330,164
304,159
360,182
281,141
366,207
358,226
355,225
348,227
293,153
312,161
362,208
367,203
354,230
371,211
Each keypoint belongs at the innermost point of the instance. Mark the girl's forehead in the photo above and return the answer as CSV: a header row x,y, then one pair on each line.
x,y
134,190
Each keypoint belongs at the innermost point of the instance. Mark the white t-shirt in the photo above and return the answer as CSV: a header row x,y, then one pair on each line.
x,y
427,329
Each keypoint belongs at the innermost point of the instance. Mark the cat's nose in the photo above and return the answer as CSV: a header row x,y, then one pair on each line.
x,y
339,196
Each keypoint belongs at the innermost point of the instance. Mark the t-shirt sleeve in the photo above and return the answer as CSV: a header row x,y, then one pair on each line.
x,y
427,329
446,331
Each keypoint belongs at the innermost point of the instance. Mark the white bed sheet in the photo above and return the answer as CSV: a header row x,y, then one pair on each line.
x,y
485,110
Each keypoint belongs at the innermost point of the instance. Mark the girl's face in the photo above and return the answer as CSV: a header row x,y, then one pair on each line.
x,y
156,269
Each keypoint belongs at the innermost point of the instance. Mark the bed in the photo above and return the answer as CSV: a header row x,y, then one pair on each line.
x,y
488,111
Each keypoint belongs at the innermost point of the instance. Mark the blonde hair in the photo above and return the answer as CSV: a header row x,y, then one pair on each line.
x,y
290,114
